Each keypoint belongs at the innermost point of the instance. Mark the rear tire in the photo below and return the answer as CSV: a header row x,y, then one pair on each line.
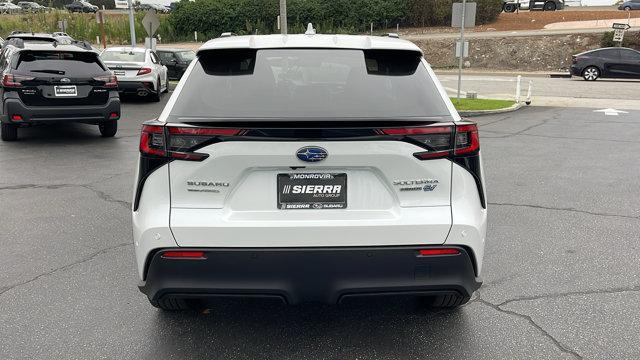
x,y
108,128
9,132
591,73
448,301
549,6
627,8
509,8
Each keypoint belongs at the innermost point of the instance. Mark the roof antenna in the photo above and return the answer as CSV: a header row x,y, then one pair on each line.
x,y
310,30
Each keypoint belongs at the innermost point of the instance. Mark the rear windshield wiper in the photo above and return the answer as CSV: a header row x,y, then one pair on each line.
x,y
57,72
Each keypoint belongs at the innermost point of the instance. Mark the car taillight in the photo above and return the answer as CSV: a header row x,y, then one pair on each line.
x,y
110,81
144,71
14,81
467,140
179,142
441,141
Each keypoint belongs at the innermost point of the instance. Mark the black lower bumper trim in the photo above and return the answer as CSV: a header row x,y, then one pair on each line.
x,y
49,114
296,275
135,87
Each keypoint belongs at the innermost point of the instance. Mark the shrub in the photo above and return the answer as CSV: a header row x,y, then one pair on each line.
x,y
438,12
631,40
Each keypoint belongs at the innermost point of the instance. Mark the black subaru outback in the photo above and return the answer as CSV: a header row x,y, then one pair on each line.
x,y
49,82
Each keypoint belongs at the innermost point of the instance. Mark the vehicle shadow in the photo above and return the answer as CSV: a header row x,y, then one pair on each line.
x,y
67,133
392,328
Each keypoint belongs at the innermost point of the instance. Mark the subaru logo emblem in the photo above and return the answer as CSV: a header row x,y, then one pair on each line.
x,y
65,80
312,154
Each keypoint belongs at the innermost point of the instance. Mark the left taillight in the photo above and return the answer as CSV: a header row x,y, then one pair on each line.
x,y
440,141
110,81
14,81
179,142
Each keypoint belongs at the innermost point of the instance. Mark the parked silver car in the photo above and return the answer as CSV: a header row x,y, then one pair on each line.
x,y
9,8
138,70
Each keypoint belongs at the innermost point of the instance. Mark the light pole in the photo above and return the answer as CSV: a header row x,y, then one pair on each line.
x,y
283,17
132,24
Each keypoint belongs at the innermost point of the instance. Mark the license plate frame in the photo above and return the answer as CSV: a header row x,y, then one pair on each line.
x,y
294,192
65,91
119,72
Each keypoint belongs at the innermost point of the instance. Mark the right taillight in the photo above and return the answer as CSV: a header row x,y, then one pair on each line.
x,y
467,140
439,141
144,71
459,143
110,81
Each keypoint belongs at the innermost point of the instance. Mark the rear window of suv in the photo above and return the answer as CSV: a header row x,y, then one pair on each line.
x,y
67,63
308,83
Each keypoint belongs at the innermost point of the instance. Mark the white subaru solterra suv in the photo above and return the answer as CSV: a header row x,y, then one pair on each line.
x,y
309,168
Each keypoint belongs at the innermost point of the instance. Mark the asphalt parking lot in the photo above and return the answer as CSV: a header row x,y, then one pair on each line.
x,y
561,265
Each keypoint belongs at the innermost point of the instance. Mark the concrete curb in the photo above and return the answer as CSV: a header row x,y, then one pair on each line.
x,y
494,73
512,108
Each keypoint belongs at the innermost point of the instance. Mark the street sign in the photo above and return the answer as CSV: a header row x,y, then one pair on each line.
x,y
618,35
151,22
121,4
620,26
466,49
469,15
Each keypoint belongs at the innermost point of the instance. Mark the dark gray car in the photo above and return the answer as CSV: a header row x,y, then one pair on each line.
x,y
630,5
607,63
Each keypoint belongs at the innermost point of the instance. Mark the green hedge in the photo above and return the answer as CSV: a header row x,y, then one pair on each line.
x,y
438,12
84,26
212,17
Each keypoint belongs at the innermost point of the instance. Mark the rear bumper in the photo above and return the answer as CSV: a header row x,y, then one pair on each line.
x,y
130,87
49,114
296,275
576,70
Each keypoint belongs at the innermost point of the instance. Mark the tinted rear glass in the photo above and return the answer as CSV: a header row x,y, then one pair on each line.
x,y
308,83
124,56
186,55
64,62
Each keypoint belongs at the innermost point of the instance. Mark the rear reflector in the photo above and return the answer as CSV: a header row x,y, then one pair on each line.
x,y
438,251
16,117
183,254
114,115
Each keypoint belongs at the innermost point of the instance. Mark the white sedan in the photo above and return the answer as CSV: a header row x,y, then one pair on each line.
x,y
138,70
9,8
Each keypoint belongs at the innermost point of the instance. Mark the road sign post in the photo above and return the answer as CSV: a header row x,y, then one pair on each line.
x,y
463,14
151,23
